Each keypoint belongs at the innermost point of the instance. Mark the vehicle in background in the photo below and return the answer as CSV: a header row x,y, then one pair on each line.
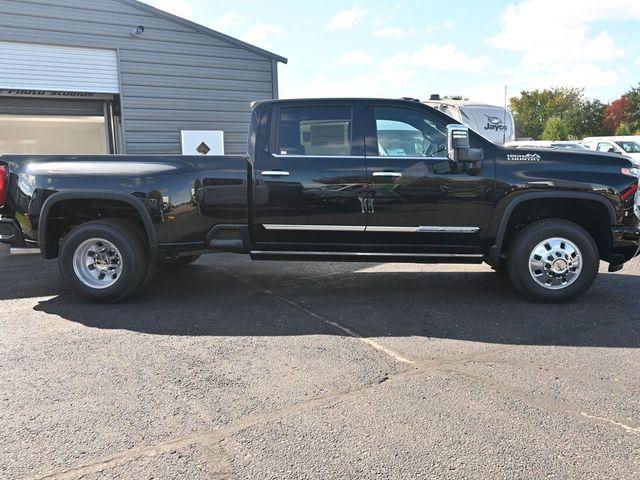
x,y
491,121
560,144
624,145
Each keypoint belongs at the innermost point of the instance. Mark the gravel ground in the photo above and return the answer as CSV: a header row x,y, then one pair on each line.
x,y
230,369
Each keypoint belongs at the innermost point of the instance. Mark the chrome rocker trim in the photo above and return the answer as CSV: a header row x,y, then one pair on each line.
x,y
379,229
366,254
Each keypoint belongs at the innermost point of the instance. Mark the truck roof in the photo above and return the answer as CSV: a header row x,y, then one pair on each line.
x,y
346,100
459,103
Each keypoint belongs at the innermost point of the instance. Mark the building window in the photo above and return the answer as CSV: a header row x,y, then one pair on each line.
x,y
53,135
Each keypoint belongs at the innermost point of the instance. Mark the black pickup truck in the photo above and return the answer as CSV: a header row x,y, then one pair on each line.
x,y
329,180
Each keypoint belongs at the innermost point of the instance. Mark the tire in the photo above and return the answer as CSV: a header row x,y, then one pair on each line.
x,y
553,261
123,261
176,262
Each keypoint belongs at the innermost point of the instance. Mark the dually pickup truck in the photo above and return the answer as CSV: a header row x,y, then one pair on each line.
x,y
330,180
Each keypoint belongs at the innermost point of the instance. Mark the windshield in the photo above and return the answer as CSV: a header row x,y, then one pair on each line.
x,y
629,147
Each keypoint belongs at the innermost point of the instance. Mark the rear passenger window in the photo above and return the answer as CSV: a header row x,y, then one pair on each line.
x,y
315,131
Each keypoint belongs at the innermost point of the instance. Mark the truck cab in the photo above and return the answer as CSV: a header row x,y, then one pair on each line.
x,y
370,179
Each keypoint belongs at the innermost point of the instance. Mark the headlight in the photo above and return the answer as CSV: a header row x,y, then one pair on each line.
x,y
633,172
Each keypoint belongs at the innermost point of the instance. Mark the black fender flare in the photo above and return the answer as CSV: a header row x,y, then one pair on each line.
x,y
132,200
496,249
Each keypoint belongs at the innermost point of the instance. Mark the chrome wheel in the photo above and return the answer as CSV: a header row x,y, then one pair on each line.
x,y
555,263
97,263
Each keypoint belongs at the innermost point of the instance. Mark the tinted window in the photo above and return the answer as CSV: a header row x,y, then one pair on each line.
x,y
315,131
403,132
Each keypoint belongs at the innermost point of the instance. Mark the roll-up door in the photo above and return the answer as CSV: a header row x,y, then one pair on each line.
x,y
57,68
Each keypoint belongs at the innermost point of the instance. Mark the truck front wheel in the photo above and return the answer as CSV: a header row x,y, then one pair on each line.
x,y
103,261
553,261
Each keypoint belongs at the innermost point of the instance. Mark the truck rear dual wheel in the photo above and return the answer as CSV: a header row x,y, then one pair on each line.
x,y
553,261
104,261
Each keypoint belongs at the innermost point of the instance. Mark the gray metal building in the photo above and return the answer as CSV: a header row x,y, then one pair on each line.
x,y
119,76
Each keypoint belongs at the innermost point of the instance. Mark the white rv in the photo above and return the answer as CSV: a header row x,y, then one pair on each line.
x,y
491,121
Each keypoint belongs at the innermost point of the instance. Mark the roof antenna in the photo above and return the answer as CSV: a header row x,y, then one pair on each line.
x,y
504,120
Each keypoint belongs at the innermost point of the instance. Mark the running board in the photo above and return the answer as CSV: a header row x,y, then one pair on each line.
x,y
369,256
24,251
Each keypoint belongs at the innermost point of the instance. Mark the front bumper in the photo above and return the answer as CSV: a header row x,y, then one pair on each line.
x,y
625,244
10,232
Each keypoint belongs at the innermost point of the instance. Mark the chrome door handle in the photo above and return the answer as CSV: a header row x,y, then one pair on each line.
x,y
274,173
387,174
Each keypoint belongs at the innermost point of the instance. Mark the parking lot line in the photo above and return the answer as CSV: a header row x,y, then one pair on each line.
x,y
372,343
398,357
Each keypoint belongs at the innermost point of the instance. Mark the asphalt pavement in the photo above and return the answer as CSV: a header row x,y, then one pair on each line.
x,y
232,369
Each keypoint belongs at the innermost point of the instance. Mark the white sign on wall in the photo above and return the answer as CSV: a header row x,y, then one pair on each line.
x,y
202,142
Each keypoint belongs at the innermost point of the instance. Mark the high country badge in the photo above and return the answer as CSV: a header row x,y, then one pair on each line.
x,y
523,157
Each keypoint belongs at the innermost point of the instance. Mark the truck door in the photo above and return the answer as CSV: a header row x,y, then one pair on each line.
x,y
309,189
420,201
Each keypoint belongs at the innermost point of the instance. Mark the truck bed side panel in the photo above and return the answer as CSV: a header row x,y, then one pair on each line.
x,y
186,196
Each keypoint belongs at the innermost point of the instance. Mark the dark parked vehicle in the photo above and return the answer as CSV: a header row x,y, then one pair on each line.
x,y
329,180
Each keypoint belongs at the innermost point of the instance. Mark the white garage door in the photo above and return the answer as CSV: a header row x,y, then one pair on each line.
x,y
28,66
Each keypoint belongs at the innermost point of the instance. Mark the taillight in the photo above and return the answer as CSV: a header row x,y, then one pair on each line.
x,y
4,183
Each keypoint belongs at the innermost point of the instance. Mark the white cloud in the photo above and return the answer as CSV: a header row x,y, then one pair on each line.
x,y
488,93
638,61
261,33
438,57
393,32
355,58
397,76
227,22
376,83
560,44
347,18
447,25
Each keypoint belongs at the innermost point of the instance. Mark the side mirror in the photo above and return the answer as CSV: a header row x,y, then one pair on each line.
x,y
458,146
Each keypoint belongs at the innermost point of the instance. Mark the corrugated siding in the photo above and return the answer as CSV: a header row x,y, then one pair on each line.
x,y
31,66
173,78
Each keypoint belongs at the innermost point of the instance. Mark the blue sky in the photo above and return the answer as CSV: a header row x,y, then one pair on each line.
x,y
414,48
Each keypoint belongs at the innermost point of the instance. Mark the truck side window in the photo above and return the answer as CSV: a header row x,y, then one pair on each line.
x,y
404,132
315,131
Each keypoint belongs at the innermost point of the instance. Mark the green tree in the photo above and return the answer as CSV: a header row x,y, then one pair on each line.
x,y
633,108
555,129
534,108
587,120
624,129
